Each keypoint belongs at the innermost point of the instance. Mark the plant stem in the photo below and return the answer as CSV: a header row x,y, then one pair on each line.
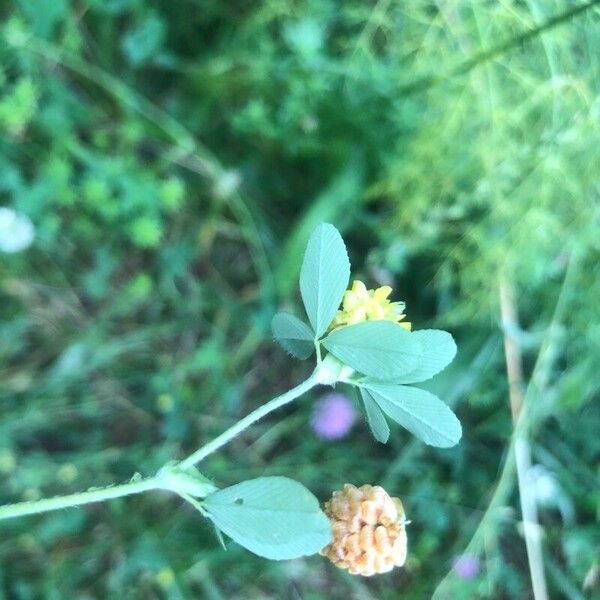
x,y
514,371
487,54
22,509
537,385
318,352
254,416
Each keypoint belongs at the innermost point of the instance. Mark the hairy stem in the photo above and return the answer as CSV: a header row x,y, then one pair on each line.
x,y
22,509
248,420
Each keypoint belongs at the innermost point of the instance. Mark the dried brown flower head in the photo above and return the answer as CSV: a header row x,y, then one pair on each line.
x,y
369,536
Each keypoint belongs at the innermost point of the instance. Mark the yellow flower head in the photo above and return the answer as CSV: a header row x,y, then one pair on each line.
x,y
369,534
360,304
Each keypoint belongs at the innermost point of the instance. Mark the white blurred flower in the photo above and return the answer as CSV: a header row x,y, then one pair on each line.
x,y
16,231
227,183
548,492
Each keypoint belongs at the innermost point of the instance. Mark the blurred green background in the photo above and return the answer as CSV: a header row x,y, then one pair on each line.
x,y
173,158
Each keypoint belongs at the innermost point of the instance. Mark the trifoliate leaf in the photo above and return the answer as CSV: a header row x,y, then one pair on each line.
x,y
274,517
380,349
419,411
324,276
438,351
376,419
293,334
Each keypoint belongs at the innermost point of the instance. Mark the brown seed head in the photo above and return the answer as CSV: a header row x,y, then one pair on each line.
x,y
368,530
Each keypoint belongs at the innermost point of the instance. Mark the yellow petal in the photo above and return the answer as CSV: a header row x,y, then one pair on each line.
x,y
375,311
358,315
350,300
360,289
382,293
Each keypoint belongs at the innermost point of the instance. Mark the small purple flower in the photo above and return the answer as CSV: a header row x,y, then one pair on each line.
x,y
333,417
466,566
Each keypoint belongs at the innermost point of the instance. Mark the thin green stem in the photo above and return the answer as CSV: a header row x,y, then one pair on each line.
x,y
318,352
22,509
250,419
430,80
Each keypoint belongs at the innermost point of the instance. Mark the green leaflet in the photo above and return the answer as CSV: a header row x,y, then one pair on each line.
x,y
293,335
439,349
376,419
324,276
334,203
381,349
419,411
274,517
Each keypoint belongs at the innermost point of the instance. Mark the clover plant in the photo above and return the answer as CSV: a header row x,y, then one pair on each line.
x,y
359,338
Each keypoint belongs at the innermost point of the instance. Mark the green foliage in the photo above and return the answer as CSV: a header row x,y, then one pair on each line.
x,y
375,417
438,349
419,411
381,349
273,517
18,106
333,204
144,41
324,276
293,334
250,124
